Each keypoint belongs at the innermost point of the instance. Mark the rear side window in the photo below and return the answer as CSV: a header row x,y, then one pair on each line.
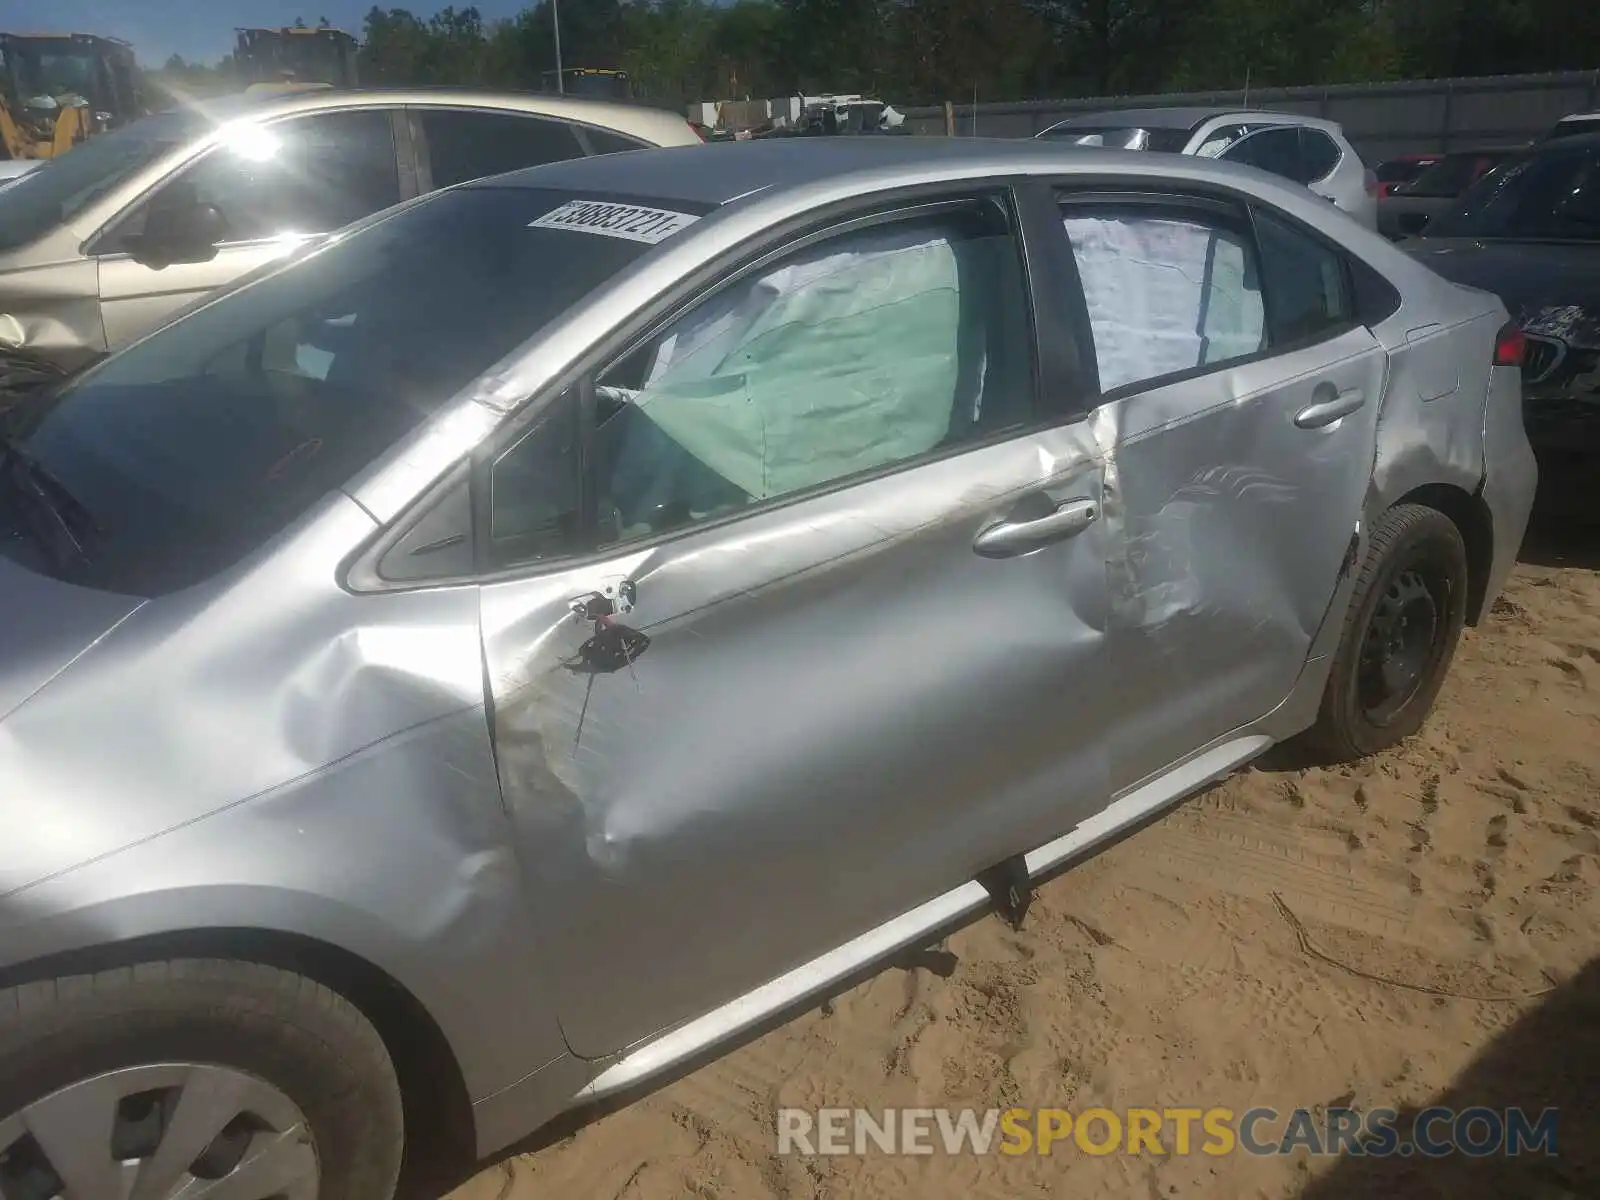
x,y
1168,290
1305,282
1274,150
470,144
1319,154
604,141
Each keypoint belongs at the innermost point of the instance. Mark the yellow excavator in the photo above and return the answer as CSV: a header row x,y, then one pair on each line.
x,y
58,89
294,58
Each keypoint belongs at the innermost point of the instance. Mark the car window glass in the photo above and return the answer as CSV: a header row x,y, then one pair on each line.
x,y
1554,194
1165,292
1218,140
465,144
1304,281
1275,150
307,174
1319,154
534,489
193,446
1450,176
604,141
865,350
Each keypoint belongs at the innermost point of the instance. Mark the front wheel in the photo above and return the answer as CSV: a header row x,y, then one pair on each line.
x,y
1400,634
193,1079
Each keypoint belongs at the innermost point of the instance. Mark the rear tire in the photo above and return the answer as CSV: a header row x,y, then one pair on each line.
x,y
292,1087
1400,634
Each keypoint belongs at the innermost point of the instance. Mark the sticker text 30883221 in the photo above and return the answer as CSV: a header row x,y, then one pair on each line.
x,y
634,222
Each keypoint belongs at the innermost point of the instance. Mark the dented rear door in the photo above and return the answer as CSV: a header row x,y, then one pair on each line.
x,y
1239,409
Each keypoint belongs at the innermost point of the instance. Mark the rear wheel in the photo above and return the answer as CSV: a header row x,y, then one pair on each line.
x,y
193,1078
1401,632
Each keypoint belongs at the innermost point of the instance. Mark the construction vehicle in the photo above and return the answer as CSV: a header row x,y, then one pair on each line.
x,y
596,83
58,89
295,57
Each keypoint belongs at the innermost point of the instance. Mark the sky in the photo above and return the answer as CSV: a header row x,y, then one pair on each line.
x,y
203,29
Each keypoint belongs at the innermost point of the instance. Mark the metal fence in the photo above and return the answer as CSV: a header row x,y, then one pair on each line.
x,y
1380,119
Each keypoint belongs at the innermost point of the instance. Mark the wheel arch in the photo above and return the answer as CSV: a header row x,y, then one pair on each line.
x,y
440,1131
1470,515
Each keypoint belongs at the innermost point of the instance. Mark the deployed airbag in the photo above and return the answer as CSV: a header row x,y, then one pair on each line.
x,y
829,365
1165,295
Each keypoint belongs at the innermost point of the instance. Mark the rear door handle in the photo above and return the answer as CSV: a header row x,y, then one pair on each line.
x,y
1008,539
1328,404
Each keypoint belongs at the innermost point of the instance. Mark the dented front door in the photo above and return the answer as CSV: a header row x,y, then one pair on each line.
x,y
730,752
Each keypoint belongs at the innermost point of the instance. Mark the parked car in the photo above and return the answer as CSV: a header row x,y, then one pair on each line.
x,y
106,242
1400,170
1574,123
1409,207
1306,150
566,620
1530,233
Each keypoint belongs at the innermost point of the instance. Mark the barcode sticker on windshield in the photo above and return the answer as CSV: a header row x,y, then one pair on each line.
x,y
631,221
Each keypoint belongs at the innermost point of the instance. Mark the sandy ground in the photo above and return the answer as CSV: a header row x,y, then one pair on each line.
x,y
1163,972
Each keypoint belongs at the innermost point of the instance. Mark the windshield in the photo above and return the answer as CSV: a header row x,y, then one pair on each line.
x,y
42,73
57,189
1124,137
194,446
1553,196
1451,175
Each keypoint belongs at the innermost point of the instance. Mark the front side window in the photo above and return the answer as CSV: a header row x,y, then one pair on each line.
x,y
304,175
1448,177
472,144
1219,139
191,448
56,190
1123,137
1167,291
870,349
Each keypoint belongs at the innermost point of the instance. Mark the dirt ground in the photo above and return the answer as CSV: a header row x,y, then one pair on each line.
x,y
1164,972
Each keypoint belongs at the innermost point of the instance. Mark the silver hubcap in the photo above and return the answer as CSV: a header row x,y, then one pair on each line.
x,y
179,1130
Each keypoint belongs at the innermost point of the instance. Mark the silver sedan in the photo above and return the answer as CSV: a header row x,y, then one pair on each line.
x,y
562,623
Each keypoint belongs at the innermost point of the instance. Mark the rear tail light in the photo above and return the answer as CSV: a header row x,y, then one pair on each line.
x,y
1510,347
699,130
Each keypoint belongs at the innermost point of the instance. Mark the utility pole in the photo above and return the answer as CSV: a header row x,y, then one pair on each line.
x,y
555,15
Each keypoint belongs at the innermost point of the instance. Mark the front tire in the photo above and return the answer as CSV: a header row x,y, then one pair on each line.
x,y
1400,634
200,1076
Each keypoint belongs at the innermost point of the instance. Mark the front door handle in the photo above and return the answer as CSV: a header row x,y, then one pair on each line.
x,y
1328,404
1007,539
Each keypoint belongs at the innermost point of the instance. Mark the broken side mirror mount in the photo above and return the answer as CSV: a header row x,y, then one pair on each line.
x,y
178,229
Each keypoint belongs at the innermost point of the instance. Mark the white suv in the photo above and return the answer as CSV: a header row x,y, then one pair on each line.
x,y
1305,149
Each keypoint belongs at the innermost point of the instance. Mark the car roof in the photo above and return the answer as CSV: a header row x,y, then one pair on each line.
x,y
652,124
718,174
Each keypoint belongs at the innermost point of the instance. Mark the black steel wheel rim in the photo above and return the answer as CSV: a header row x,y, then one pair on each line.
x,y
1402,644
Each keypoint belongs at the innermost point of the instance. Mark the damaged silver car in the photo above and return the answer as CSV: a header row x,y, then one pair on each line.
x,y
561,624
